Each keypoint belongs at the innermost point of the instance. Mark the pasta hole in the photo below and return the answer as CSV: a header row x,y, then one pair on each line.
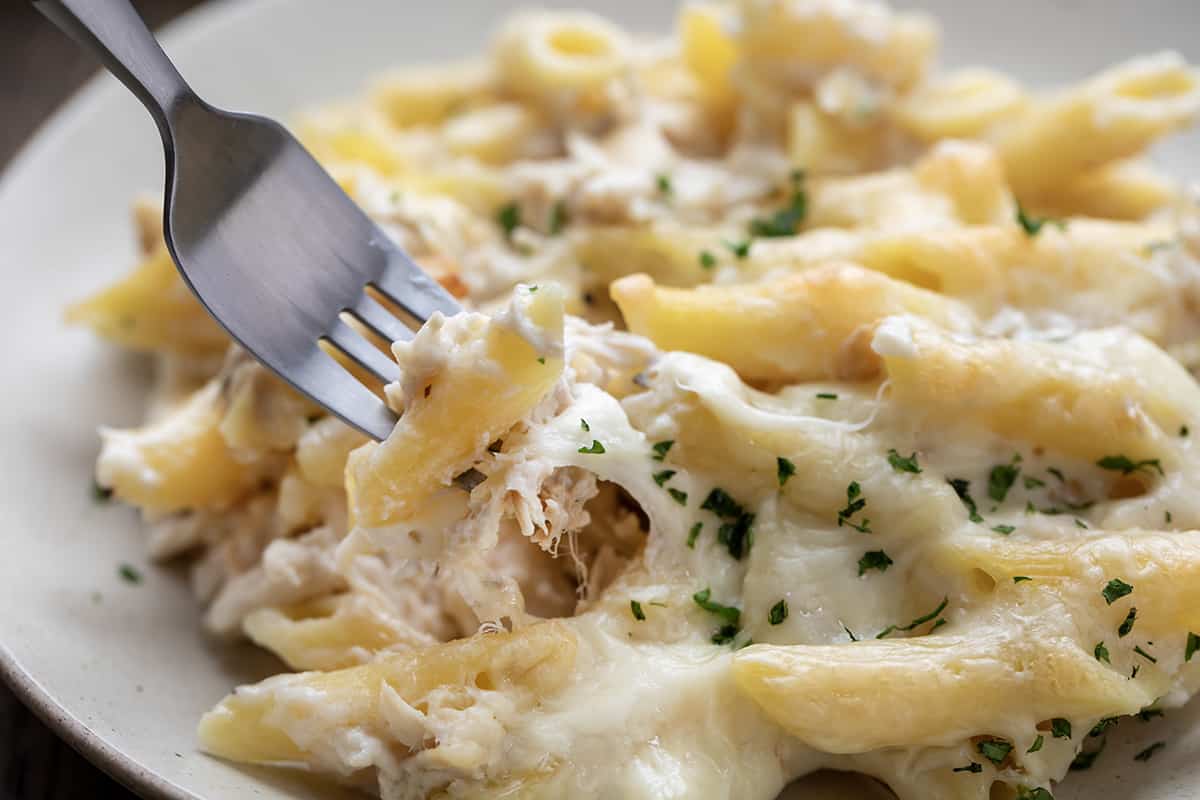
x,y
1125,487
982,582
578,43
484,681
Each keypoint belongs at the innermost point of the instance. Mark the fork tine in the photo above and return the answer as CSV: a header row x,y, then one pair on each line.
x,y
362,352
330,384
383,322
411,288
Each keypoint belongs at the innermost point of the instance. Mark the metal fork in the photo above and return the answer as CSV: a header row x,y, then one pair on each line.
x,y
273,248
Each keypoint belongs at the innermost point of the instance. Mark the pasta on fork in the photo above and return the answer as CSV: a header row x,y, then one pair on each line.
x,y
814,410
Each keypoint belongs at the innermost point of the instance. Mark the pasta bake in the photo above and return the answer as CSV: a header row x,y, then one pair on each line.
x,y
814,409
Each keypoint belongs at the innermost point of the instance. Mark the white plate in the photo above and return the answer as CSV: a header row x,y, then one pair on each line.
x,y
122,671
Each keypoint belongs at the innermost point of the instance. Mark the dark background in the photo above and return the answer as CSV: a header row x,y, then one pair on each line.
x,y
39,69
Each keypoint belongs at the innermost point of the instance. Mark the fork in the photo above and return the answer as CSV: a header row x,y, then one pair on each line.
x,y
267,240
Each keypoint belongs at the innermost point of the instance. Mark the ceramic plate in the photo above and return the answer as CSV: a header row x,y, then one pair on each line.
x,y
121,671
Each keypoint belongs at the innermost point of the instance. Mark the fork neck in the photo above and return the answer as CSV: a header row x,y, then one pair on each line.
x,y
113,31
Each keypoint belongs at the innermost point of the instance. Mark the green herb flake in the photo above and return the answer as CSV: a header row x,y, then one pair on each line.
x,y
661,449
1114,590
1167,517
962,489
1145,655
1149,752
737,536
1193,644
1032,483
1005,529
1100,727
1080,523
678,496
583,424
558,218
725,634
1002,477
1084,760
720,503
662,477
785,221
1126,465
595,449
1020,578
849,632
541,360
101,494
921,620
826,396
707,259
636,608
694,534
974,766
903,464
874,559
1033,225
1060,728
1037,744
855,503
994,750
1101,653
129,574
663,183
1058,473
1183,430
784,469
509,219
1147,714
728,614
778,612
1127,625
740,249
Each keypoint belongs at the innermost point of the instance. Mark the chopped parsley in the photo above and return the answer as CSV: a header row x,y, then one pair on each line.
x,y
583,424
739,249
994,750
662,477
784,469
1037,744
974,766
558,218
778,612
636,608
1145,655
849,632
694,534
1019,578
1032,483
1039,793
661,449
737,536
541,359
725,634
874,559
1101,653
707,259
1100,727
1033,225
1060,728
786,220
1183,430
1149,752
826,396
1193,644
1058,473
962,489
903,464
855,503
720,503
509,219
663,183
921,620
595,449
1080,523
678,496
129,574
1167,517
1085,759
1127,625
729,614
1002,477
1115,589
1126,465
1005,529
101,494
1147,714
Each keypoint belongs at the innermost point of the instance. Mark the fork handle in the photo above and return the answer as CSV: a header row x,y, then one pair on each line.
x,y
113,31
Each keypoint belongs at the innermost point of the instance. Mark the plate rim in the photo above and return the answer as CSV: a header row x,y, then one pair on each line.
x,y
118,765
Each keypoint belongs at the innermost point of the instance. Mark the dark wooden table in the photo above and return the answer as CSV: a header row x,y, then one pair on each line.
x,y
39,68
